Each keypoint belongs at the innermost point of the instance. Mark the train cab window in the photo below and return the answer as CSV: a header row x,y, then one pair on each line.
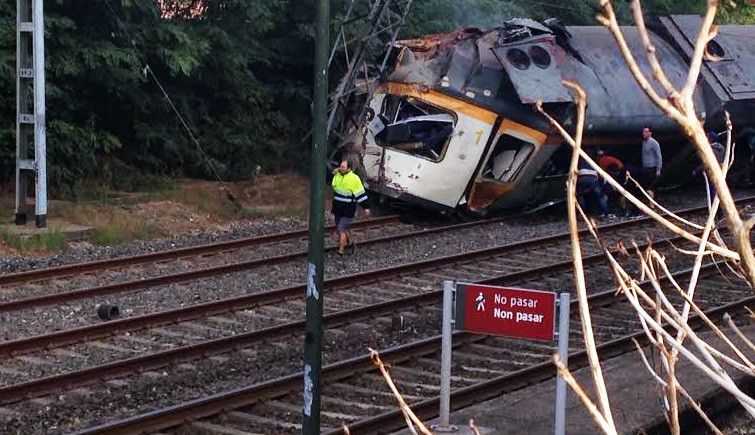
x,y
409,125
507,159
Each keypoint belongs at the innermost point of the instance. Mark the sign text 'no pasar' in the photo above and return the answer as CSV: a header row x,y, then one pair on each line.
x,y
505,311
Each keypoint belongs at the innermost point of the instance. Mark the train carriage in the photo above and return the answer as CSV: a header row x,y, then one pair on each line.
x,y
452,124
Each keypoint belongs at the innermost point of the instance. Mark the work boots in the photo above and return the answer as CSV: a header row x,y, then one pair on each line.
x,y
343,238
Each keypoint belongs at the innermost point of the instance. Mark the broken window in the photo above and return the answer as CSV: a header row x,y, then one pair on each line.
x,y
409,125
507,159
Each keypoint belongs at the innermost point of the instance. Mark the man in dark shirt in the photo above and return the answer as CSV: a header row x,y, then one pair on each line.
x,y
618,171
720,153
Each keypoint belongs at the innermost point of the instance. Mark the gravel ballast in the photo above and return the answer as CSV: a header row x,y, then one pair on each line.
x,y
236,369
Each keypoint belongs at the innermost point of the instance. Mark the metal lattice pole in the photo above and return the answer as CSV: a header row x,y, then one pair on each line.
x,y
359,41
31,138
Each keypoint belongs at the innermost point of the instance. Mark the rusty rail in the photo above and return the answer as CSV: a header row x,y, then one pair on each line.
x,y
89,332
216,404
190,251
42,386
137,284
537,373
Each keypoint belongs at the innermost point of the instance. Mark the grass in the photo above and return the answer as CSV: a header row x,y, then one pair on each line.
x,y
274,212
158,207
120,229
52,239
115,233
107,236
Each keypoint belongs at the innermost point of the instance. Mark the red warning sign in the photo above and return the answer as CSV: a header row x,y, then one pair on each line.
x,y
506,311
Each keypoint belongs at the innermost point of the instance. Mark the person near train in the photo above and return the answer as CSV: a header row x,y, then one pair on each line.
x,y
652,162
589,188
616,169
348,191
720,152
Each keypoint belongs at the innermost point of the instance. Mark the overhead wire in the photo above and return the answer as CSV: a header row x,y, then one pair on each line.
x,y
148,69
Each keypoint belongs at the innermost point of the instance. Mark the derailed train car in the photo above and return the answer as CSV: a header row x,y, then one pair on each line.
x,y
452,124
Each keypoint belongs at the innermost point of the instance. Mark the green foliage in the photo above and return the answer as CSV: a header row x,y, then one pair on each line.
x,y
114,233
432,16
737,13
240,76
106,236
52,239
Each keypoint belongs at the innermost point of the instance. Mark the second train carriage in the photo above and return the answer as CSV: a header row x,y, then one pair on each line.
x,y
453,125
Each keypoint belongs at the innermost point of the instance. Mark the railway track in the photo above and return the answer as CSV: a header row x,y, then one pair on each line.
x,y
14,295
354,393
497,260
186,353
507,264
64,297
259,242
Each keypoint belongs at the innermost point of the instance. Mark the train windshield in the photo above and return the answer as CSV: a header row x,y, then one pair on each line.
x,y
412,126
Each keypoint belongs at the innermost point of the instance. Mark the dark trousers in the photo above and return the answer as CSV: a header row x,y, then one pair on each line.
x,y
589,189
648,179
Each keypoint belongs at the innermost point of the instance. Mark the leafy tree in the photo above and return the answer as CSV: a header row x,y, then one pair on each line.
x,y
238,72
234,76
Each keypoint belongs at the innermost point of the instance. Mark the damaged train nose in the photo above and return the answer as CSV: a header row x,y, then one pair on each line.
x,y
445,129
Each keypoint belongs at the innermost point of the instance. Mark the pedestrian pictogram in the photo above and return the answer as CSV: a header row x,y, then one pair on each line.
x,y
480,302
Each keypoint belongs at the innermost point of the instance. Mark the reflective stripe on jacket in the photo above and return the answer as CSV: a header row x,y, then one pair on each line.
x,y
347,192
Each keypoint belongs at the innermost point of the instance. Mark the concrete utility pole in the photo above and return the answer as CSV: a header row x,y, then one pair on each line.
x,y
315,266
31,137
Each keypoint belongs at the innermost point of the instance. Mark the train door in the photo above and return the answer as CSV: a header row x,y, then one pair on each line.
x,y
431,145
509,166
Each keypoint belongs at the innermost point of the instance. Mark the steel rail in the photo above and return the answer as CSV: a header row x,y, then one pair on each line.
x,y
137,284
212,405
206,309
189,251
175,278
466,396
38,387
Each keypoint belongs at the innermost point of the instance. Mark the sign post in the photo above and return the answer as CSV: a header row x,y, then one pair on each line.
x,y
313,331
445,360
563,354
510,312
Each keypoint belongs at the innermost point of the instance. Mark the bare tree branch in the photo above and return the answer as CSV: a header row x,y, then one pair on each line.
x,y
682,110
704,36
566,375
739,333
637,203
411,418
579,277
473,427
658,72
700,412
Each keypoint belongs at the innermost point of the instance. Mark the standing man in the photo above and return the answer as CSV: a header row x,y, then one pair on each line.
x,y
652,161
720,153
348,190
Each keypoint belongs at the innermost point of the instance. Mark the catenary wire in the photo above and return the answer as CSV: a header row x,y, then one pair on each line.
x,y
148,69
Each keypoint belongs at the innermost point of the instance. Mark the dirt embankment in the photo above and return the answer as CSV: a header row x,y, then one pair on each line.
x,y
183,207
